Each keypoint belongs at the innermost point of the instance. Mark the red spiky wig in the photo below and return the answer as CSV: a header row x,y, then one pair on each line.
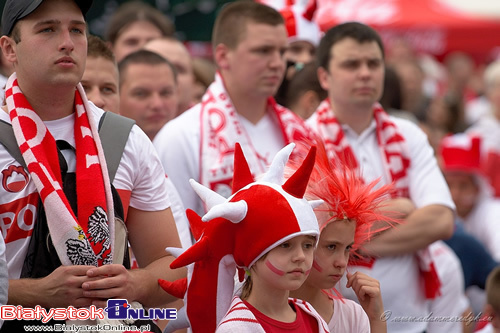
x,y
347,196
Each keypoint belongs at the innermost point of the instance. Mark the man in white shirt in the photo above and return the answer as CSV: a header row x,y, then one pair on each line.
x,y
354,127
46,42
249,41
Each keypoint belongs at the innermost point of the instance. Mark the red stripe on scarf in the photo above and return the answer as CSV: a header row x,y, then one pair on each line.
x,y
39,150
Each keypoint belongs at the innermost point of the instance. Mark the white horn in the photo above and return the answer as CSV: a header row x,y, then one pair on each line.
x,y
174,251
232,211
316,203
209,197
277,169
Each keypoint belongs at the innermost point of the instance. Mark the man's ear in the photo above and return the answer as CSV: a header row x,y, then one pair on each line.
x,y
221,56
323,78
8,49
308,103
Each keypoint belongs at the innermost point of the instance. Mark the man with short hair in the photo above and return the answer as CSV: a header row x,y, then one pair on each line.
x,y
175,52
148,90
100,78
355,128
249,40
61,249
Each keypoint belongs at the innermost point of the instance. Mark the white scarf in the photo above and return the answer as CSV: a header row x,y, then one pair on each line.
x,y
221,129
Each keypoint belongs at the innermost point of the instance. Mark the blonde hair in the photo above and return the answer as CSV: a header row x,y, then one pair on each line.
x,y
492,74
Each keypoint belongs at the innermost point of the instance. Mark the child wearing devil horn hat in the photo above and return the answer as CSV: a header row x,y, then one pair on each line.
x,y
266,229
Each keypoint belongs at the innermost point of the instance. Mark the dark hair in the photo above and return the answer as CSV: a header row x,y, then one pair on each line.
x,y
143,57
392,97
357,31
130,12
304,80
97,48
232,20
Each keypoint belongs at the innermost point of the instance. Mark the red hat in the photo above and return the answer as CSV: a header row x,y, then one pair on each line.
x,y
300,25
236,232
461,152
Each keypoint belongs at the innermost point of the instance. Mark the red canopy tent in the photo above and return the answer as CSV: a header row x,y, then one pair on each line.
x,y
431,26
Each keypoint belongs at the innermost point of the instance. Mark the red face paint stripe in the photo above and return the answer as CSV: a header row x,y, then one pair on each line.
x,y
317,266
274,269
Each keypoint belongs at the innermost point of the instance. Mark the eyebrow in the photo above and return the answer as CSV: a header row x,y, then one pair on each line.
x,y
45,22
336,242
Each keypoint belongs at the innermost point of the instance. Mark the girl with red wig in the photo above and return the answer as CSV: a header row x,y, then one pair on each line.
x,y
347,219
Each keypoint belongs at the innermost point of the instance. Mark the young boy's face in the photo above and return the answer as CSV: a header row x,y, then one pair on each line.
x,y
286,266
332,254
464,191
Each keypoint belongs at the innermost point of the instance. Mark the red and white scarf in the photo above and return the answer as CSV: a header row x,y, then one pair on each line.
x,y
221,129
87,240
390,141
396,162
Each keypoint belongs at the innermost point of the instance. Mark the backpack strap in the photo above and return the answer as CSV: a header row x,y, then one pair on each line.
x,y
114,131
8,140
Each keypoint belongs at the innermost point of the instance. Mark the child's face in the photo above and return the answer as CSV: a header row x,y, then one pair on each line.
x,y
464,191
286,266
332,254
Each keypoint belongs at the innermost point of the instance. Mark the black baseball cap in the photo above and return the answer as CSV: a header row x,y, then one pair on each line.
x,y
14,10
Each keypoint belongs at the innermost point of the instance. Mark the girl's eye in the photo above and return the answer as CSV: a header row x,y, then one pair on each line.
x,y
285,245
308,245
331,247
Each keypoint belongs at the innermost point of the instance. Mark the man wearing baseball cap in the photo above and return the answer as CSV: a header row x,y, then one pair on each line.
x,y
60,240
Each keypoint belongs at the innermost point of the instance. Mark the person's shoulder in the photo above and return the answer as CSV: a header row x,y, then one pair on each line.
x,y
185,124
489,205
97,112
4,116
410,131
349,308
237,305
310,310
187,118
405,124
239,319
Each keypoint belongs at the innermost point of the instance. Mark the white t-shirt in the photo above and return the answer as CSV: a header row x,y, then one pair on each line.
x,y
399,275
452,302
139,180
483,223
178,146
348,317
